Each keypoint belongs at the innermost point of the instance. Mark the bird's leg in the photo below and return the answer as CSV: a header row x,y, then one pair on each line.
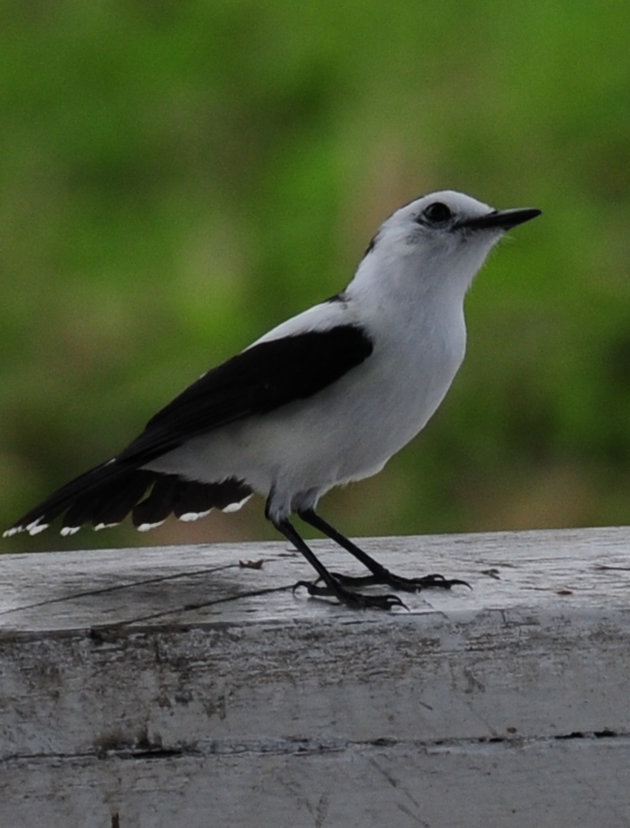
x,y
332,585
380,575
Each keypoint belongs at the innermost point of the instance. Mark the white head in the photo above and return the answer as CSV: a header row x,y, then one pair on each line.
x,y
440,237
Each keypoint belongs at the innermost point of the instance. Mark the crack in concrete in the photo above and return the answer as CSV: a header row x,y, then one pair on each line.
x,y
302,747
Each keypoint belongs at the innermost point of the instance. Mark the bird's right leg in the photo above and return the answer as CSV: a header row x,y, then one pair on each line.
x,y
380,575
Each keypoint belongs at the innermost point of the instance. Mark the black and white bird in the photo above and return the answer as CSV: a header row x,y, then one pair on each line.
x,y
325,398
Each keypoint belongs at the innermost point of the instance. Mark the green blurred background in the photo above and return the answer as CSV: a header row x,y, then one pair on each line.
x,y
176,177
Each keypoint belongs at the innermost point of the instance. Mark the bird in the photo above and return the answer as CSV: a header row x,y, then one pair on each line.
x,y
321,400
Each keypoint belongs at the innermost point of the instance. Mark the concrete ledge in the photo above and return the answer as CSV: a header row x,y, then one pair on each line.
x,y
171,686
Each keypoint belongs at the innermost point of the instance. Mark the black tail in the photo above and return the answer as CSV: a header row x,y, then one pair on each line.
x,y
106,494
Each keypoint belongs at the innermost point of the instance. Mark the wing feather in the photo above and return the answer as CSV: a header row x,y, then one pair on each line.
x,y
270,374
260,379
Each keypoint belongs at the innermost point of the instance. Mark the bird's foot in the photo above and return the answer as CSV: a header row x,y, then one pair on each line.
x,y
384,576
354,600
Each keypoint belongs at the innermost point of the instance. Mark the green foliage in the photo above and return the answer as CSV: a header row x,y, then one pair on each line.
x,y
176,177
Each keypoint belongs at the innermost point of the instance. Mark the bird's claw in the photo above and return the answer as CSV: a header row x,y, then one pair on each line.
x,y
355,600
433,581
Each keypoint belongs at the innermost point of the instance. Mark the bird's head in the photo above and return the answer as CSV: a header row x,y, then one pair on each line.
x,y
443,235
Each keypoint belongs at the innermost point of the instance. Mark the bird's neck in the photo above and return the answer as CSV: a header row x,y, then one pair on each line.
x,y
405,292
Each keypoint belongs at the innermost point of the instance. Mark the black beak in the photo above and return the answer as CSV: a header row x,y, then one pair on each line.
x,y
501,219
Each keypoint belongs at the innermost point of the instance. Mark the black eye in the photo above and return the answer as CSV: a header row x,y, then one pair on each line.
x,y
437,213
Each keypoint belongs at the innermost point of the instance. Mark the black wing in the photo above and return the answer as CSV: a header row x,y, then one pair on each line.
x,y
256,381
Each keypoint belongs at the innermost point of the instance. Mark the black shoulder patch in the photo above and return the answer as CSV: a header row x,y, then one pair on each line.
x,y
256,381
371,245
338,297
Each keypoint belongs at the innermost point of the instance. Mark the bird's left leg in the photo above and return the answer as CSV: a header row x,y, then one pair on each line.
x,y
332,586
380,575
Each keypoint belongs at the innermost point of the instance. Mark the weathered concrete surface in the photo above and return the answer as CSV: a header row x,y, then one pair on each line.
x,y
170,686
